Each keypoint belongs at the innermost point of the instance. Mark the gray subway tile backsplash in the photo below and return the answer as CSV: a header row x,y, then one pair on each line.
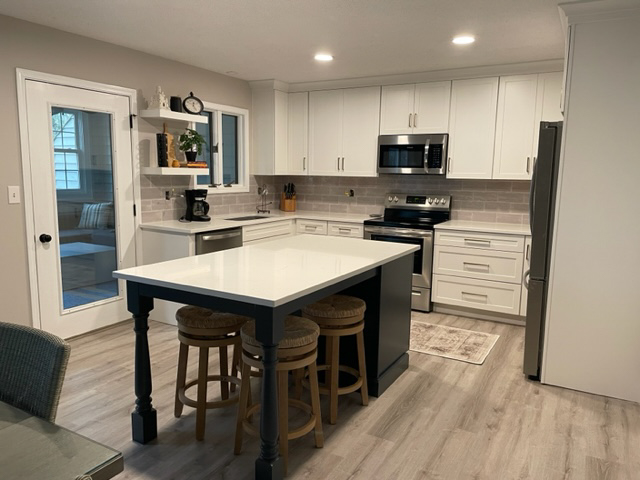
x,y
502,201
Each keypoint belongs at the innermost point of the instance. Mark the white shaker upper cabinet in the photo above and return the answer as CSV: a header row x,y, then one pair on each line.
x,y
419,108
472,127
298,134
343,131
523,102
361,120
518,121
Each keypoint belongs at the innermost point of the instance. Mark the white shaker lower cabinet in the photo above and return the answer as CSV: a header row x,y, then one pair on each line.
x,y
481,271
472,127
252,234
525,277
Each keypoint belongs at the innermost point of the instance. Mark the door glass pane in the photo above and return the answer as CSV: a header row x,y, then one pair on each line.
x,y
229,149
83,164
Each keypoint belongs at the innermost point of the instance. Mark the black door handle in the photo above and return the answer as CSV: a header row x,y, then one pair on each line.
x,y
45,238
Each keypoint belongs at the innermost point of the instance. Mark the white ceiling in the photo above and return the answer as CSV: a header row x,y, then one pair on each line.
x,y
276,39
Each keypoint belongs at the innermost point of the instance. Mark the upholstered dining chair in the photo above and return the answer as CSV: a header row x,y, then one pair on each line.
x,y
32,368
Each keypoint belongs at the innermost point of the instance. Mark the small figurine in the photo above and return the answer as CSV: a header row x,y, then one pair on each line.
x,y
159,100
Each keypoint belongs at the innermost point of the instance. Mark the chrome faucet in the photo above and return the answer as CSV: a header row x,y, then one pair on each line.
x,y
262,208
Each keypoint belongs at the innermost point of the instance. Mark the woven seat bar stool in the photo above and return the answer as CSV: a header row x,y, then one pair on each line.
x,y
339,316
298,349
205,329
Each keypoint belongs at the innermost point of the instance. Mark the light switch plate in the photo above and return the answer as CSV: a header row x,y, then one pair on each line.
x,y
13,192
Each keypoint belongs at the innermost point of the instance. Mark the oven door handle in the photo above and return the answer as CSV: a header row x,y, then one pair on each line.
x,y
405,233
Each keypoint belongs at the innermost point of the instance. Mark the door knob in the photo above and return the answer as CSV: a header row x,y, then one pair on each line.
x,y
45,238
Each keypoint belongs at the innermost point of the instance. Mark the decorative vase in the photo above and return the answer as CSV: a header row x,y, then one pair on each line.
x,y
191,155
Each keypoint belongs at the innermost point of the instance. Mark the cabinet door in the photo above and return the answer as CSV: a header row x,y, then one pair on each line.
x,y
525,270
516,127
360,120
472,125
298,130
397,104
325,132
431,107
550,87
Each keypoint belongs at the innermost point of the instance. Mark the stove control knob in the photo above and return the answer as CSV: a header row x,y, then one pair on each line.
x,y
437,201
430,200
443,201
395,199
390,199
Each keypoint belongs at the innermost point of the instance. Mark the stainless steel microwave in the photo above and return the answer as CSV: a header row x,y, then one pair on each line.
x,y
413,154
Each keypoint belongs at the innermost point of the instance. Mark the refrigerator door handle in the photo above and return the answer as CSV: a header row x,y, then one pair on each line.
x,y
532,195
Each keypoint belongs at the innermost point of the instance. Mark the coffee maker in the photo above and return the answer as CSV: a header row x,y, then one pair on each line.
x,y
197,207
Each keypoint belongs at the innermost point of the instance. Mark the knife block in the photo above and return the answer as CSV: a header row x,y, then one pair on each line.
x,y
287,204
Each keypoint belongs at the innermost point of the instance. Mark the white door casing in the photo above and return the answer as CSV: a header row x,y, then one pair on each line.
x,y
36,98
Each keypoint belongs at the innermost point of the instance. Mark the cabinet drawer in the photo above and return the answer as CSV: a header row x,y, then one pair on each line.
x,y
479,294
346,230
266,230
488,241
313,227
476,263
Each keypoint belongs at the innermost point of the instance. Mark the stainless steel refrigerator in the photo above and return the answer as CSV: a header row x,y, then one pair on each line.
x,y
541,214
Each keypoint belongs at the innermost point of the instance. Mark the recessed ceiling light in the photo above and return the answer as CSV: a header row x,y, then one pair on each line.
x,y
323,57
463,40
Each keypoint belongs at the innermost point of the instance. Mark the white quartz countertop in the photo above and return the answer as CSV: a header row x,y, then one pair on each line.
x,y
220,222
270,273
487,227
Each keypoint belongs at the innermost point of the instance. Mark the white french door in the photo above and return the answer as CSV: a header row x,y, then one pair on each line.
x,y
80,166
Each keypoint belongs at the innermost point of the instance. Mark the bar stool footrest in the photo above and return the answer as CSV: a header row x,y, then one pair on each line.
x,y
215,403
355,386
292,434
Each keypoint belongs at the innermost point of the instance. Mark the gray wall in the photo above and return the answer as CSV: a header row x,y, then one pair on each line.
x,y
33,47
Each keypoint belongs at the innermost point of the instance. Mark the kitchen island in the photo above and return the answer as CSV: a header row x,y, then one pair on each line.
x,y
268,281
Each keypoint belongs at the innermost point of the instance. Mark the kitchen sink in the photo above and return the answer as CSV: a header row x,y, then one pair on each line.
x,y
248,217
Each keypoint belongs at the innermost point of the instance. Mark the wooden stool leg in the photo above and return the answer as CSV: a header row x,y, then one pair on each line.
x,y
298,375
315,404
183,357
362,367
327,361
201,409
224,371
235,363
283,416
333,383
243,404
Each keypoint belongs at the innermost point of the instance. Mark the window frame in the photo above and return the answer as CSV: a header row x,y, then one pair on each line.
x,y
242,114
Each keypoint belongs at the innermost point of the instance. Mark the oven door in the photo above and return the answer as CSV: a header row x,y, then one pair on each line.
x,y
422,259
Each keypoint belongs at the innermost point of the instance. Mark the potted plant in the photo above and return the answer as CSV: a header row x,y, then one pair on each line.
x,y
191,143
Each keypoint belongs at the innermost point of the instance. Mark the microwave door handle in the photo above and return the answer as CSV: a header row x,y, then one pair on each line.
x,y
426,155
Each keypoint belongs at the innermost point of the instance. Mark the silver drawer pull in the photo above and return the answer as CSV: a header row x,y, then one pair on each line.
x,y
344,229
471,265
416,292
477,241
310,227
476,297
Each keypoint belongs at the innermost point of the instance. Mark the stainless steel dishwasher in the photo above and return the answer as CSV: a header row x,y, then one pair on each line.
x,y
216,240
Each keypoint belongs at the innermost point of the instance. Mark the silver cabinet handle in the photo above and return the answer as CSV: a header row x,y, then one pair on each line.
x,y
481,298
304,163
338,163
525,279
528,164
527,254
343,164
410,120
449,165
415,120
478,241
470,265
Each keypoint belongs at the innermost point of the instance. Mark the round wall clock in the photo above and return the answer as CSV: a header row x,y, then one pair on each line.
x,y
193,104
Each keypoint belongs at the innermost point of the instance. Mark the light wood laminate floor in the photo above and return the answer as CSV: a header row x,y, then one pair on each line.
x,y
442,419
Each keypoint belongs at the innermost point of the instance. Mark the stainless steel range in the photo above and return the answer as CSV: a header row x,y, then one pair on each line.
x,y
410,219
